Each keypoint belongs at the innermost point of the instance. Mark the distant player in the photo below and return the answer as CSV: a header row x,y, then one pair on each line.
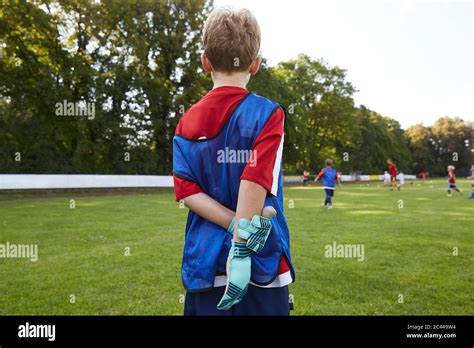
x,y
401,178
329,178
339,178
386,179
422,176
305,178
452,181
393,171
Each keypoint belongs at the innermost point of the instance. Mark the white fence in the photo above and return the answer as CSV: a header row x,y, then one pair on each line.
x,y
375,177
294,179
56,181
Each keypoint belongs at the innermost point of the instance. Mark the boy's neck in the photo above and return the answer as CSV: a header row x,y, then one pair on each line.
x,y
237,79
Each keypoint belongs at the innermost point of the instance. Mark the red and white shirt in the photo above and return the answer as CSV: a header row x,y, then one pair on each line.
x,y
452,177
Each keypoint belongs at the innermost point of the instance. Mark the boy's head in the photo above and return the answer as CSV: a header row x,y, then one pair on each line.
x,y
328,162
231,42
389,161
450,168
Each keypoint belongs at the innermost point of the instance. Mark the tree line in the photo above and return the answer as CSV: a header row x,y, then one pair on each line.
x,y
137,63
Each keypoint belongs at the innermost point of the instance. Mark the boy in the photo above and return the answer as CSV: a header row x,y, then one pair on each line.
x,y
393,171
235,262
305,178
422,176
401,179
386,178
452,181
329,178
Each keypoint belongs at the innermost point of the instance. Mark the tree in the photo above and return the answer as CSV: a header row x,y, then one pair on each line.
x,y
450,138
447,142
319,109
380,138
136,61
423,152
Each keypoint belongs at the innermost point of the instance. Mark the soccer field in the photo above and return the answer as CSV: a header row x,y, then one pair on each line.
x,y
121,253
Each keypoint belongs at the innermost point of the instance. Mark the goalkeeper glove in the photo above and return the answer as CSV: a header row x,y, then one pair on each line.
x,y
238,275
239,262
255,232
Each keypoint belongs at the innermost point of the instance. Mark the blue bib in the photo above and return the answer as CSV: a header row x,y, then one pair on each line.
x,y
206,244
329,177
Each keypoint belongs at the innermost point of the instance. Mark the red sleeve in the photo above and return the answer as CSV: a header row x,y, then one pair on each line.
x,y
184,188
321,173
264,168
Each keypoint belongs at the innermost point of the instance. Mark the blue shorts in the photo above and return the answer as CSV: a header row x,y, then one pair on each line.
x,y
257,301
329,192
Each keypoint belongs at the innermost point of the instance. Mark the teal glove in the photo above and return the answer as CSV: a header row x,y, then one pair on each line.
x,y
239,262
231,227
238,267
255,232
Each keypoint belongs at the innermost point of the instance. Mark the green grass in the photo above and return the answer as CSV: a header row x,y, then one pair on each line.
x,y
408,251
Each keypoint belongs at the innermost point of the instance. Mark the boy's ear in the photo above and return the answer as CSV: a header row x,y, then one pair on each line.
x,y
255,65
206,63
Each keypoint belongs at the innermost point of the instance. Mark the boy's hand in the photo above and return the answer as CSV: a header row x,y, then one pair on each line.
x,y
239,262
255,232
238,267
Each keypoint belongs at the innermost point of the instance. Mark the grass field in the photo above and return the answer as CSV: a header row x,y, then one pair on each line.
x,y
408,252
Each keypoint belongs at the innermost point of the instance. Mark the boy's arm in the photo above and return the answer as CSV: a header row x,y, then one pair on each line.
x,y
320,174
250,203
259,179
209,209
191,194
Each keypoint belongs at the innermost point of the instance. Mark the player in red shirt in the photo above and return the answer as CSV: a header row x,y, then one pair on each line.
x,y
422,175
452,181
305,178
393,171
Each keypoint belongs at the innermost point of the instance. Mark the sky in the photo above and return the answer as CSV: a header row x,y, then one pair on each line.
x,y
411,60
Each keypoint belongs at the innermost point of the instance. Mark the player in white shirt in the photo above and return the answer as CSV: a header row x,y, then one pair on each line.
x,y
401,178
386,179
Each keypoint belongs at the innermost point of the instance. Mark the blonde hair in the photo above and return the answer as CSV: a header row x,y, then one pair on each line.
x,y
450,168
231,39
